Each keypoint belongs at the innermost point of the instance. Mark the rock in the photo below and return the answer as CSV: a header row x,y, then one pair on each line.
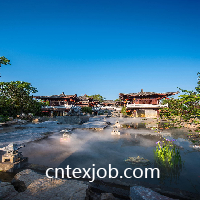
x,y
107,196
92,195
19,185
40,187
137,160
142,193
7,191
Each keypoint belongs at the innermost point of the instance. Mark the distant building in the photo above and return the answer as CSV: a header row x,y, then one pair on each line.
x,y
85,101
144,104
108,103
58,104
59,100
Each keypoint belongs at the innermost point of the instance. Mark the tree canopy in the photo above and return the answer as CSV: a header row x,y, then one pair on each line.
x,y
4,61
187,106
87,109
15,98
98,97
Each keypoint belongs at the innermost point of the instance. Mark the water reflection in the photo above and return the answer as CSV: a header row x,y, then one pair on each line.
x,y
147,140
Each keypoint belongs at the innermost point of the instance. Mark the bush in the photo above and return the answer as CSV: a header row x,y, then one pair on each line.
x,y
4,118
123,111
87,109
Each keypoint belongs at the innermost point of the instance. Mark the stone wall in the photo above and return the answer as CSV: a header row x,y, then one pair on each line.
x,y
150,113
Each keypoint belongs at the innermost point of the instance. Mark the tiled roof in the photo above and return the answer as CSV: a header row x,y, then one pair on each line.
x,y
56,96
108,101
149,94
83,98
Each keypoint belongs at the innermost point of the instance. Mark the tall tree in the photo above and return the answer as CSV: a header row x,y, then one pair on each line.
x,y
15,96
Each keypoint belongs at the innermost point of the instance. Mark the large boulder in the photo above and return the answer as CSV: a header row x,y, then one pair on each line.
x,y
38,187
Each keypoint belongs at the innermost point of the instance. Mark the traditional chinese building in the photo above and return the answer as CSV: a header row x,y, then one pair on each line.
x,y
144,104
58,104
108,103
59,100
84,101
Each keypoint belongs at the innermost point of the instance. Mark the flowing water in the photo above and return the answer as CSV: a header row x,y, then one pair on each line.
x,y
87,147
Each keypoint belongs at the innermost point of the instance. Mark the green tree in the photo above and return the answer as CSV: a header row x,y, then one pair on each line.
x,y
15,98
186,106
6,107
98,97
4,61
123,111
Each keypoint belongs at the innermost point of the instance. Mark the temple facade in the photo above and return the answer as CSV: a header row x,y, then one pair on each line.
x,y
59,100
144,104
59,105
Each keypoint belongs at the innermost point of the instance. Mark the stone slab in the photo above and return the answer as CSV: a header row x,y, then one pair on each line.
x,y
142,193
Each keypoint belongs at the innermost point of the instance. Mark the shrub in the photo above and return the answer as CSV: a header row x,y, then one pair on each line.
x,y
87,109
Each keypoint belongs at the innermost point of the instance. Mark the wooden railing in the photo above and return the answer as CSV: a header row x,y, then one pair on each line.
x,y
146,106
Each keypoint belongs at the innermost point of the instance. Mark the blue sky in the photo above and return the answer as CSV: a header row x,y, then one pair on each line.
x,y
101,46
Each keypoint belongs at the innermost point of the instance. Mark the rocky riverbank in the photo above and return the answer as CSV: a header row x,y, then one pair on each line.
x,y
193,124
31,185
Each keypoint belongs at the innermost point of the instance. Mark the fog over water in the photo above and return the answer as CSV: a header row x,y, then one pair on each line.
x,y
86,147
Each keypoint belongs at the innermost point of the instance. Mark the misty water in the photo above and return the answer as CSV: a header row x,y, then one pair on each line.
x,y
87,147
